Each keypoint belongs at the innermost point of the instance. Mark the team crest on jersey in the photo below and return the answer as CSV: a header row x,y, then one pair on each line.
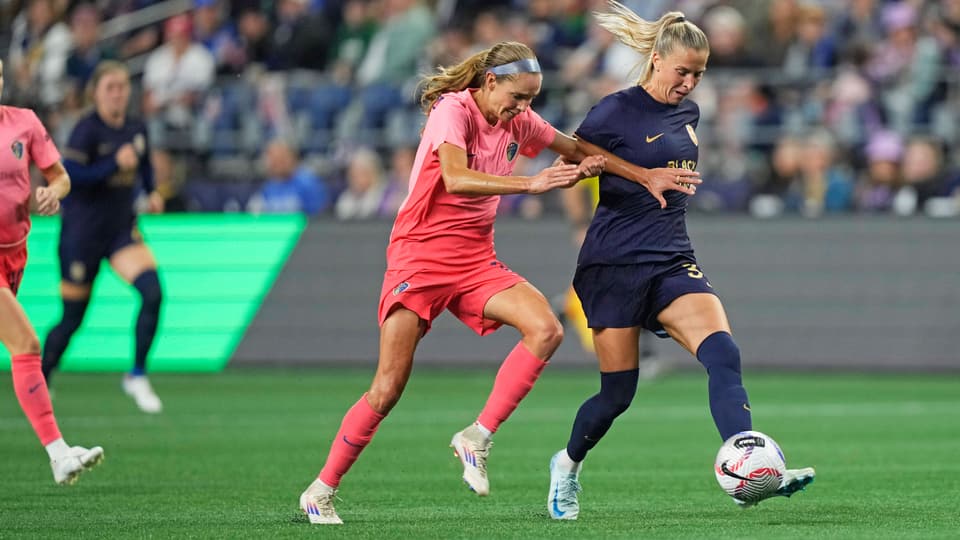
x,y
693,135
400,288
139,144
17,148
512,150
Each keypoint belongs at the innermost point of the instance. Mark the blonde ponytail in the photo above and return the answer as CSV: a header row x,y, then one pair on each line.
x,y
669,32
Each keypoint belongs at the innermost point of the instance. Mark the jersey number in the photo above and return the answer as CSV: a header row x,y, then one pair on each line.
x,y
693,271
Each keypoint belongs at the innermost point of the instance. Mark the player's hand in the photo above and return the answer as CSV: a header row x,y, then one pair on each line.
x,y
592,166
556,176
658,181
127,158
48,203
155,203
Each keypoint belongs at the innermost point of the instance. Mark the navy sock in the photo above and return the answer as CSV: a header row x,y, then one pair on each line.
x,y
59,337
148,285
596,415
728,399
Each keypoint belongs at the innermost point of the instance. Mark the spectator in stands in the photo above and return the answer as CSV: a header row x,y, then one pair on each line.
x,y
908,68
366,186
253,35
401,163
87,51
727,31
773,36
39,47
923,175
219,36
175,78
824,186
393,55
351,39
881,180
290,187
945,22
298,39
814,48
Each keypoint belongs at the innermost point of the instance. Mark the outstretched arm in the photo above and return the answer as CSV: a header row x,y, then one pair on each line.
x,y
657,181
460,179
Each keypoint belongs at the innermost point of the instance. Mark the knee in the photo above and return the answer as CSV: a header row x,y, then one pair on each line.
x,y
384,395
617,390
719,350
546,334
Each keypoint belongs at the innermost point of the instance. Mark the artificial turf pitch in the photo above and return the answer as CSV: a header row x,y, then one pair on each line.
x,y
231,453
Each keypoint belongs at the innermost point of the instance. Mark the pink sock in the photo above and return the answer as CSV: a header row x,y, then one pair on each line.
x,y
356,430
514,380
31,390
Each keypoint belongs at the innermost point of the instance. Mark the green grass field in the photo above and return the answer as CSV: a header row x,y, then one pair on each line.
x,y
231,453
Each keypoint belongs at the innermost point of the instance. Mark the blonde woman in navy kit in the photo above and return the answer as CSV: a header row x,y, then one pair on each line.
x,y
637,267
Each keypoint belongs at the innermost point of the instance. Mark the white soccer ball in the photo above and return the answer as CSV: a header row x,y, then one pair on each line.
x,y
750,466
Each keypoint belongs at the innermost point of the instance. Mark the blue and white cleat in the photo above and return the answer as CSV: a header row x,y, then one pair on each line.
x,y
562,500
794,480
317,503
472,448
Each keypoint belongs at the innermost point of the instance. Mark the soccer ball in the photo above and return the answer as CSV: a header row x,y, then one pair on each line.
x,y
750,467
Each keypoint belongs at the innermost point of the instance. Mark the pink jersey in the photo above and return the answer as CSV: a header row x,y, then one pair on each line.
x,y
23,140
436,229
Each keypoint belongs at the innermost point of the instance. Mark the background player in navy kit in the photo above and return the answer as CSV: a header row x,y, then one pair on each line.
x,y
636,267
106,154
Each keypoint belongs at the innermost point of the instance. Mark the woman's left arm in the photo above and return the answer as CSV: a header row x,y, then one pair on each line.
x,y
657,181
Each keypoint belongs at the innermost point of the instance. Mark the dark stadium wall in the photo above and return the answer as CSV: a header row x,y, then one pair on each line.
x,y
846,294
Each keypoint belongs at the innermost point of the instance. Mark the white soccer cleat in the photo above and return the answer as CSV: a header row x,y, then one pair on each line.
x,y
138,387
562,502
317,503
67,469
794,480
469,445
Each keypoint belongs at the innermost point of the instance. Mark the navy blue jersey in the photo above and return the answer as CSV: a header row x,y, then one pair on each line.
x,y
101,196
629,227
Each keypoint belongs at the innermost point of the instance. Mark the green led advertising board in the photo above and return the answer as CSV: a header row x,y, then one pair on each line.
x,y
215,270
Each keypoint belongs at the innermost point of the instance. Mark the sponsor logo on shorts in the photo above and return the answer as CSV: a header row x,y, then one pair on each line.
x,y
400,288
78,272
17,149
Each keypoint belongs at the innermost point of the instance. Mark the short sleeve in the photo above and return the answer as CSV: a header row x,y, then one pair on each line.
x,y
600,127
43,152
537,134
447,123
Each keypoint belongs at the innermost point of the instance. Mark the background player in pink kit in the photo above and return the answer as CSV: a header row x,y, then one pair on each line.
x,y
441,253
23,140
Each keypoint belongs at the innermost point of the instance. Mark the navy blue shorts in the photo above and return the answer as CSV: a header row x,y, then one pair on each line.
x,y
81,250
624,296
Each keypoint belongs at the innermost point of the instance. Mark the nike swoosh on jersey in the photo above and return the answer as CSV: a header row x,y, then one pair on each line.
x,y
655,137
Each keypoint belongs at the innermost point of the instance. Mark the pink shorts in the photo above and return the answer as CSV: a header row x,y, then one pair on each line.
x,y
464,292
12,262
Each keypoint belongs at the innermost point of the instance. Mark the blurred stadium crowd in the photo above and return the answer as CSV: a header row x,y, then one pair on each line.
x,y
808,107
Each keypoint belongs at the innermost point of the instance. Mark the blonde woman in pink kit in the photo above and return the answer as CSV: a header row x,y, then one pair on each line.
x,y
24,140
441,253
